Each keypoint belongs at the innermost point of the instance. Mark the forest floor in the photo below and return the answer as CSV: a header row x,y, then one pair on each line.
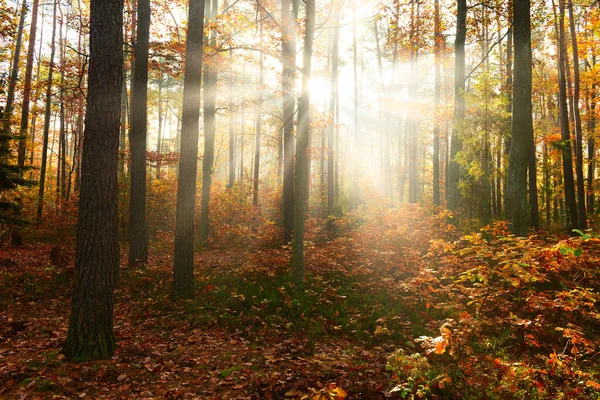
x,y
398,306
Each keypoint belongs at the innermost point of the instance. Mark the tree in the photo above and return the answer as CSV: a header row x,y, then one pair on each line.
x,y
48,100
210,110
453,195
5,135
258,122
578,130
565,144
302,158
183,268
331,156
90,334
138,227
288,73
437,98
522,122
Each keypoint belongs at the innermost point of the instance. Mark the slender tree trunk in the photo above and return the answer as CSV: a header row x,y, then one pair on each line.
x,y
160,130
5,135
183,271
40,206
210,107
436,101
90,334
581,214
62,142
331,154
591,148
567,160
354,199
453,194
303,161
27,85
138,132
259,100
16,238
231,125
288,61
411,118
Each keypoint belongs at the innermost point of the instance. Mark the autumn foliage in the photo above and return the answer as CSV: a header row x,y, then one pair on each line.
x,y
396,304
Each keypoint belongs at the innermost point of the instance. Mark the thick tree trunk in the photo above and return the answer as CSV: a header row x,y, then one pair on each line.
x,y
303,161
453,194
183,270
138,131
522,123
90,333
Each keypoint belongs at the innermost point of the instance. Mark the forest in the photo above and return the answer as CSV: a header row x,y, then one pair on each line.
x,y
299,199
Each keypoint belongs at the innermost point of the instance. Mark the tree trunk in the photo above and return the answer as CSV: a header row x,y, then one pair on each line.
x,y
591,148
436,101
183,270
259,100
331,154
90,334
521,144
565,145
160,129
453,195
40,206
5,135
232,160
303,161
582,220
288,61
138,226
210,107
27,85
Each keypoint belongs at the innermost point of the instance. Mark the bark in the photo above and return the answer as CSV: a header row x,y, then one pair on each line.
x,y
591,149
436,101
232,160
90,334
183,270
288,61
138,226
10,95
210,109
303,161
411,118
453,195
522,123
578,130
160,129
331,154
27,85
40,205
565,145
259,100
